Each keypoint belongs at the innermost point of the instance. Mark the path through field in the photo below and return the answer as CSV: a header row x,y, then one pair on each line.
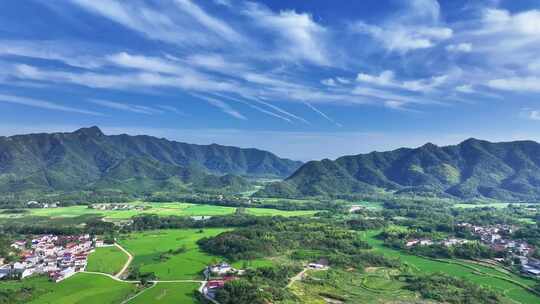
x,y
128,262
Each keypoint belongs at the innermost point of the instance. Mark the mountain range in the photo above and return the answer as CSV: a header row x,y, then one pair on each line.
x,y
87,159
471,169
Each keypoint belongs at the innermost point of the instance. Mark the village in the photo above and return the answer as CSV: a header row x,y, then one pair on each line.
x,y
117,207
59,257
496,238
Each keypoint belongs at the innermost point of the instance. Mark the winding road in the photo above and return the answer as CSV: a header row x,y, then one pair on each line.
x,y
128,262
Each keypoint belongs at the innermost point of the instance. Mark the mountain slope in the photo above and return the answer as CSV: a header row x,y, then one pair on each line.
x,y
87,158
472,169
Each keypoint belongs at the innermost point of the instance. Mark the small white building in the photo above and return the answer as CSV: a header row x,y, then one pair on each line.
x,y
221,269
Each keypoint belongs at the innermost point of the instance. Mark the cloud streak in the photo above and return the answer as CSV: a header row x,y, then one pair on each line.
x,y
43,104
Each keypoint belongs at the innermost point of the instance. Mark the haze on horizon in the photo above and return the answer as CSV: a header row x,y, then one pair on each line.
x,y
305,80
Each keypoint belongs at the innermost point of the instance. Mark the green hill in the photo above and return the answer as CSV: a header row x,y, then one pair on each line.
x,y
472,169
89,159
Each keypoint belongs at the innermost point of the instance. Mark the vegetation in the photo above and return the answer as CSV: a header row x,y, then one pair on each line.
x,y
446,289
472,169
149,248
123,165
81,288
107,260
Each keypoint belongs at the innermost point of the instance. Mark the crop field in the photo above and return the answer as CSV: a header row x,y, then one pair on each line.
x,y
162,209
495,278
167,293
107,260
376,285
81,289
153,251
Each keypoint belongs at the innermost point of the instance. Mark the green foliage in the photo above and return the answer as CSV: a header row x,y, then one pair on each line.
x,y
472,169
446,289
87,159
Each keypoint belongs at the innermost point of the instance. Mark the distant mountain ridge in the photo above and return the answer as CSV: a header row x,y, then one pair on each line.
x,y
87,158
471,169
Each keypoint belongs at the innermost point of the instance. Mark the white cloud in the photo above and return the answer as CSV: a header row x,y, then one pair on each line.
x,y
171,109
224,107
466,88
184,23
211,23
299,37
387,79
151,64
126,107
404,38
534,115
394,104
329,82
50,51
321,113
518,84
43,104
189,81
461,47
343,80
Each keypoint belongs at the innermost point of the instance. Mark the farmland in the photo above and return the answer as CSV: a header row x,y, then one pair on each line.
x,y
152,252
167,293
494,278
162,209
107,260
82,288
376,285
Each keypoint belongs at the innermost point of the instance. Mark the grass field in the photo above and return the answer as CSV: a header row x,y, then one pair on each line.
x,y
162,209
106,259
147,247
490,277
81,289
168,293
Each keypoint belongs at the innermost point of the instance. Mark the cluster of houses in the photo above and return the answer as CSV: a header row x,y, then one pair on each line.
x,y
57,256
36,204
428,242
216,277
118,207
495,237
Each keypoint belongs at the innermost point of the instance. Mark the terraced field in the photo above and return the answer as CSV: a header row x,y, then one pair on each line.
x,y
510,285
376,285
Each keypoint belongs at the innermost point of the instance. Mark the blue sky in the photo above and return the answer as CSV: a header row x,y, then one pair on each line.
x,y
303,79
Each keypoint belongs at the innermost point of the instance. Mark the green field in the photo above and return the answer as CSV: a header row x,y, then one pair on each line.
x,y
496,279
106,259
147,247
162,209
376,285
81,289
167,293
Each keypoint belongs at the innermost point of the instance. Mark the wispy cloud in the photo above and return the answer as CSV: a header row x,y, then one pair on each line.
x,y
224,107
126,107
181,23
309,105
416,27
43,104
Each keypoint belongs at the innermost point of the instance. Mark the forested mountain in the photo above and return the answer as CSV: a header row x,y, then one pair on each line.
x,y
89,159
472,169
